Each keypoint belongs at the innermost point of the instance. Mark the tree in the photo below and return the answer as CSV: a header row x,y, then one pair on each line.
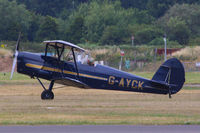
x,y
147,33
102,16
75,31
157,8
140,4
178,30
51,7
14,19
34,27
183,20
48,29
114,35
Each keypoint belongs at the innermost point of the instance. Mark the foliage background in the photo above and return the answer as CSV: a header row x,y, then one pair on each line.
x,y
101,22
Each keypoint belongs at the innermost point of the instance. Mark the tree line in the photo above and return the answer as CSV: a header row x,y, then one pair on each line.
x,y
103,22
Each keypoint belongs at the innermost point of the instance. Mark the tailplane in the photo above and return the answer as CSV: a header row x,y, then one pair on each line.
x,y
172,74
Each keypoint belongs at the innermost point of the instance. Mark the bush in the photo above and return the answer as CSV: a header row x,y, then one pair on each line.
x,y
157,41
194,41
113,35
160,41
148,34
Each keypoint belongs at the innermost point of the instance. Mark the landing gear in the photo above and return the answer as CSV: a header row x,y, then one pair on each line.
x,y
170,95
47,94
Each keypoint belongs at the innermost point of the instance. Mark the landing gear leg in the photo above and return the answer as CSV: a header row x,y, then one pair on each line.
x,y
47,94
170,94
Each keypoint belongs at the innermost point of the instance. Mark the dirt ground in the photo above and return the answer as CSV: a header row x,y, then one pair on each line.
x,y
21,104
6,64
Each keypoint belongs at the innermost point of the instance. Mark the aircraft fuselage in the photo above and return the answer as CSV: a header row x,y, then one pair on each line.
x,y
98,77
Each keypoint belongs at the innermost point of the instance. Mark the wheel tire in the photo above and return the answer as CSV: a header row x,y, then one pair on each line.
x,y
47,95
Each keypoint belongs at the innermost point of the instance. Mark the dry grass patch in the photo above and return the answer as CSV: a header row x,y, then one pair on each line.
x,y
21,104
5,52
188,53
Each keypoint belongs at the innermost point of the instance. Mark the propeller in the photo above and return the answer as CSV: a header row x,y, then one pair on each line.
x,y
15,56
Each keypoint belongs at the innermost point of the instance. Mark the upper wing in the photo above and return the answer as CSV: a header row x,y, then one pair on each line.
x,y
60,43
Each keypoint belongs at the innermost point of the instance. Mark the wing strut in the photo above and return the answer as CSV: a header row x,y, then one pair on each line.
x,y
75,62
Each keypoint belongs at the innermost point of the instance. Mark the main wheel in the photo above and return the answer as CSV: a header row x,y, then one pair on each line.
x,y
47,94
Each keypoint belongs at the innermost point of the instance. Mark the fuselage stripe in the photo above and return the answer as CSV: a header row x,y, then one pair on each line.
x,y
64,71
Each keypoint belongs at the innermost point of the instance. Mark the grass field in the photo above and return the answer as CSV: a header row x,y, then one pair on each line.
x,y
191,77
20,104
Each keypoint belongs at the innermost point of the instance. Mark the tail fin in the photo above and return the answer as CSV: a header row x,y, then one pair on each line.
x,y
171,72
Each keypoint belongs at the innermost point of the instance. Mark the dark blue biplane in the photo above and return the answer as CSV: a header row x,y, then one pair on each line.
x,y
60,64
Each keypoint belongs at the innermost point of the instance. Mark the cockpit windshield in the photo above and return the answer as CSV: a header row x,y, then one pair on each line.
x,y
66,54
54,51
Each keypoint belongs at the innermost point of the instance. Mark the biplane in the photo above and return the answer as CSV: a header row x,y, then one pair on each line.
x,y
68,64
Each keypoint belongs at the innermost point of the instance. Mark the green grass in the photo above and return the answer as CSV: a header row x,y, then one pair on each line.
x,y
101,119
16,76
147,75
190,77
191,88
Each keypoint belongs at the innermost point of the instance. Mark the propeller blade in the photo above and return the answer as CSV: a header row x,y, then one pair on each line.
x,y
15,56
14,64
18,41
